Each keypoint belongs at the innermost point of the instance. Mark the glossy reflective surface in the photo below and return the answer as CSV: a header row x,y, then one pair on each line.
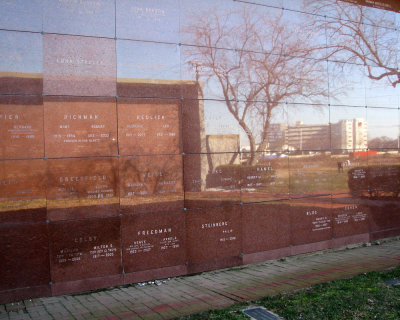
x,y
150,139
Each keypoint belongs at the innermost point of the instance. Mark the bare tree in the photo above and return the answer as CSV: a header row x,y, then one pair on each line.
x,y
360,35
257,62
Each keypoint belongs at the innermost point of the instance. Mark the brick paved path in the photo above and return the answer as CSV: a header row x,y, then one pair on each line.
x,y
215,289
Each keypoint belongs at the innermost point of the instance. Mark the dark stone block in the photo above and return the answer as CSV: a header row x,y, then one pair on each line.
x,y
82,188
85,249
19,294
266,226
153,241
214,238
25,256
384,214
76,126
349,217
22,191
310,220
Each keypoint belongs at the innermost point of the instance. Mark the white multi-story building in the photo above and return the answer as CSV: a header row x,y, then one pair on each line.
x,y
345,135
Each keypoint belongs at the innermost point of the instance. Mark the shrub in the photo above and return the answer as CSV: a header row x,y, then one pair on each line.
x,y
374,180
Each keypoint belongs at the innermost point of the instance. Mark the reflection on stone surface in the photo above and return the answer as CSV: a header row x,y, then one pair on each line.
x,y
78,126
151,184
218,133
84,17
206,188
22,191
21,130
82,188
148,20
25,256
82,66
312,175
84,249
266,181
148,128
21,63
153,240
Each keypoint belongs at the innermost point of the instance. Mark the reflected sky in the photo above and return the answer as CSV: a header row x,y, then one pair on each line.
x,y
155,40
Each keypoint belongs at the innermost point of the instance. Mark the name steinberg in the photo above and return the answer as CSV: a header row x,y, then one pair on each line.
x,y
214,225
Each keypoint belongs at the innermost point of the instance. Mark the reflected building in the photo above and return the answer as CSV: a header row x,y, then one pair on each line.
x,y
347,135
350,135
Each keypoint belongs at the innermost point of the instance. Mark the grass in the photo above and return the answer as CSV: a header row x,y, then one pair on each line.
x,y
362,297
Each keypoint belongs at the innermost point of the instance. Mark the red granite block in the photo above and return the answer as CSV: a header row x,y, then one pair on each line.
x,y
83,249
80,126
25,256
153,241
214,238
311,220
266,226
151,183
22,191
82,188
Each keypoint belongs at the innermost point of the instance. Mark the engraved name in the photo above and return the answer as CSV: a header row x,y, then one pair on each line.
x,y
78,61
150,117
5,116
154,231
214,225
82,178
81,116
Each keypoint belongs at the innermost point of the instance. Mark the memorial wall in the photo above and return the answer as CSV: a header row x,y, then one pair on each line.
x,y
141,140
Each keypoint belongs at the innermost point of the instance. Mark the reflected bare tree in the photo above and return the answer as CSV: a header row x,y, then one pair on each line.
x,y
358,34
257,62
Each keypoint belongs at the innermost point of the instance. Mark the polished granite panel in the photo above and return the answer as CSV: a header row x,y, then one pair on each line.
x,y
151,184
151,63
310,220
383,128
25,256
384,214
82,188
84,249
75,65
80,126
21,131
213,233
266,226
21,63
313,174
153,240
22,191
350,216
83,17
209,127
148,127
148,20
22,15
205,188
266,181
